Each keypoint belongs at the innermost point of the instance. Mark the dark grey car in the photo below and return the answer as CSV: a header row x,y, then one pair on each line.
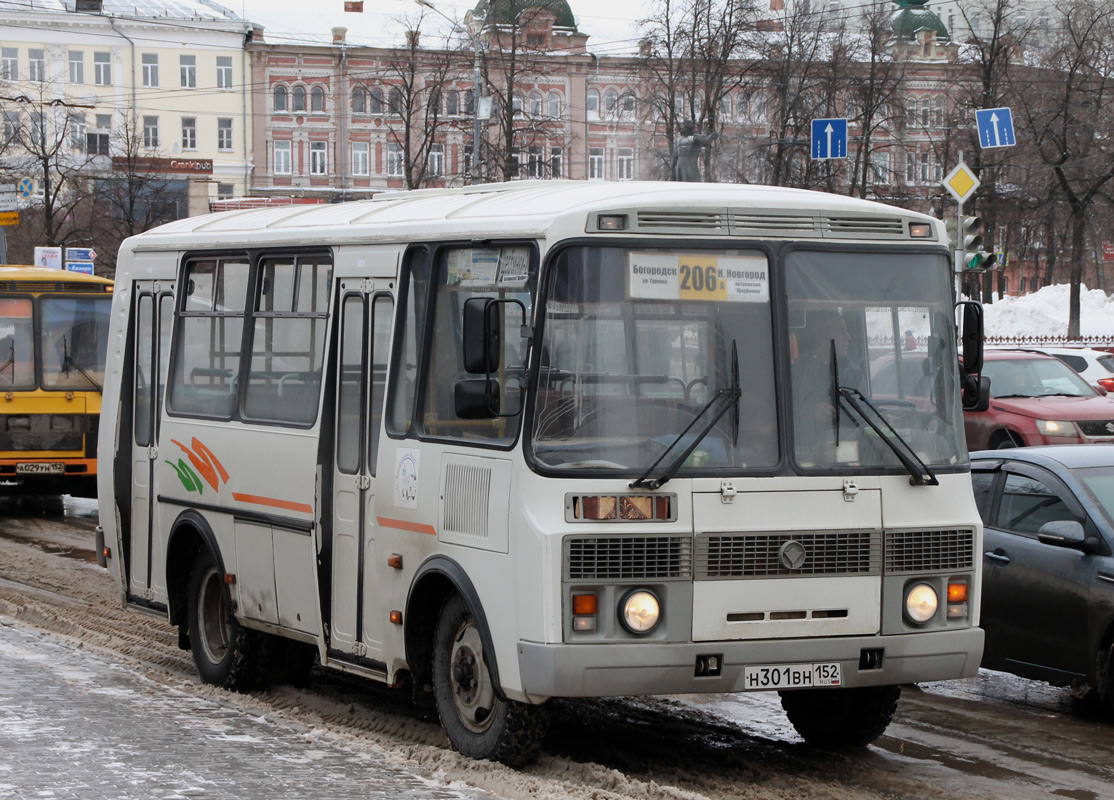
x,y
1048,578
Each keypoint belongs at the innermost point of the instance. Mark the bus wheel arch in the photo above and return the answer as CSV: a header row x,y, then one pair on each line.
x,y
189,534
436,580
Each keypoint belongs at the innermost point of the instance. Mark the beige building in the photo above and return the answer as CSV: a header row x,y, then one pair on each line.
x,y
113,84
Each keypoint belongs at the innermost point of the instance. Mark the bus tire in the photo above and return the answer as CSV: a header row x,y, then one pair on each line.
x,y
841,718
478,722
225,653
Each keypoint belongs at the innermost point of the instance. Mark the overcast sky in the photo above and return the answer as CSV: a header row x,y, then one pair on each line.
x,y
608,22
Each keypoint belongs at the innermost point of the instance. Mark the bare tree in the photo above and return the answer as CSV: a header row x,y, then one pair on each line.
x,y
1066,106
44,139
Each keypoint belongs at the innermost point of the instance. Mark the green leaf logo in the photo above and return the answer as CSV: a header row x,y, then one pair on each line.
x,y
187,476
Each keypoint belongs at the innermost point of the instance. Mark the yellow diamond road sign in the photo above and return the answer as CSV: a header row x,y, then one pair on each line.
x,y
961,182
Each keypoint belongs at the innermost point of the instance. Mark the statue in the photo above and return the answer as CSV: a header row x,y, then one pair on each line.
x,y
686,152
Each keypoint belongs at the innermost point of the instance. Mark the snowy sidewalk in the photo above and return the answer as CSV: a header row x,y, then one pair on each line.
x,y
76,725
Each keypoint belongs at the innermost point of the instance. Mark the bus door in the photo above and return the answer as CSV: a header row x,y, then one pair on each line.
x,y
365,325
154,314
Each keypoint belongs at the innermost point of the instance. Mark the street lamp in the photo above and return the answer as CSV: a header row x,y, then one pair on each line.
x,y
472,30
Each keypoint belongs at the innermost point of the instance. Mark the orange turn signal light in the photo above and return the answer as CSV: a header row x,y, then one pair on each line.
x,y
957,592
583,604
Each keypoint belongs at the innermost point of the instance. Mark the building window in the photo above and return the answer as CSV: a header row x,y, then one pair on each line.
x,y
535,104
224,72
626,106
36,61
394,160
189,133
592,103
926,167
225,190
77,131
880,167
610,102
911,110
299,98
939,112
910,167
318,157
725,106
280,98
11,125
97,143
452,103
376,101
102,69
150,69
437,159
317,99
595,164
394,100
624,162
77,66
151,132
38,128
554,105
516,101
360,160
556,159
434,104
282,158
9,63
469,102
224,134
187,67
359,101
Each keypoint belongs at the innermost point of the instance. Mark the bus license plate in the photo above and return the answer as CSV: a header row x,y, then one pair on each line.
x,y
792,676
40,469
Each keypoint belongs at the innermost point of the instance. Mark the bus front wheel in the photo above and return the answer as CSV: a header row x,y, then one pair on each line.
x,y
479,723
841,718
224,651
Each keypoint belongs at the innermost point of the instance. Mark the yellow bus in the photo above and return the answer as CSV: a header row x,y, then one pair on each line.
x,y
53,340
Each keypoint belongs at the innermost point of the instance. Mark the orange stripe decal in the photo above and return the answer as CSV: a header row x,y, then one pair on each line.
x,y
272,502
403,525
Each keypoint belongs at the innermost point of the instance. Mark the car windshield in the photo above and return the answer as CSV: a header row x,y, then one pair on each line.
x,y
639,345
1034,377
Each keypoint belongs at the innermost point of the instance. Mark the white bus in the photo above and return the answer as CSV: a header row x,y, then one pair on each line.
x,y
551,439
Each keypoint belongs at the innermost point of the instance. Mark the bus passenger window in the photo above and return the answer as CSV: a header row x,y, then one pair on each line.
x,y
210,333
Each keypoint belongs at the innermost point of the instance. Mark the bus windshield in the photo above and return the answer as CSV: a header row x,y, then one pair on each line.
x,y
637,342
74,341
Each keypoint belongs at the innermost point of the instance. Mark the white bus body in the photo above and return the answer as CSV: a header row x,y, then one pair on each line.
x,y
550,439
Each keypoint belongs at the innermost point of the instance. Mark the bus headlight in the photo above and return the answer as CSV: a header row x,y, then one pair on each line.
x,y
639,611
921,602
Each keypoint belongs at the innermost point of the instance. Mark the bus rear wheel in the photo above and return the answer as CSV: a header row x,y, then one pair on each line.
x,y
841,718
479,723
225,652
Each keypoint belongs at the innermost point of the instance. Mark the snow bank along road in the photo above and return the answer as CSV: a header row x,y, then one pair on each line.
x,y
993,736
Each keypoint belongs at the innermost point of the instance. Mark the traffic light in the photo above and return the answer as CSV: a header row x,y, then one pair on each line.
x,y
980,259
967,241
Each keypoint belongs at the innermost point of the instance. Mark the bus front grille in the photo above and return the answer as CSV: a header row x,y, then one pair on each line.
x,y
787,554
598,558
38,432
929,551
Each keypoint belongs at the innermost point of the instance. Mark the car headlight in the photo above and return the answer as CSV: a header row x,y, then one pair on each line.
x,y
1056,427
640,611
921,602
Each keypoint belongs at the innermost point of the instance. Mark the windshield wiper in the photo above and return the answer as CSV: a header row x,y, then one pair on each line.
x,y
68,361
10,363
732,393
919,473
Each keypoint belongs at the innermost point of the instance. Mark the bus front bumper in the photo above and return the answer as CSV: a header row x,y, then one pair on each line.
x,y
611,670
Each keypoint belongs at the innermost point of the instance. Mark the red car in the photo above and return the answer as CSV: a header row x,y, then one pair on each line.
x,y
1037,399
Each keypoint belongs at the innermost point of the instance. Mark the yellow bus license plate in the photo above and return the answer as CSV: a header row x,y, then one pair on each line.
x,y
792,676
40,469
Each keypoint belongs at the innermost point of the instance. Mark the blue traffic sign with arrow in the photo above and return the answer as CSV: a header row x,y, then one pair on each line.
x,y
829,138
995,127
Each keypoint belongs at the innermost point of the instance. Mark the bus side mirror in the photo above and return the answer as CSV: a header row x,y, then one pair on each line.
x,y
972,336
476,398
976,392
482,332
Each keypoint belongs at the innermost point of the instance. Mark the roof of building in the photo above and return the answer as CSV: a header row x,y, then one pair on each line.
x,y
133,9
505,12
913,17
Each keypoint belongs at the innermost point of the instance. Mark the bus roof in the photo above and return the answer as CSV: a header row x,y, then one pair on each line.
x,y
41,279
532,208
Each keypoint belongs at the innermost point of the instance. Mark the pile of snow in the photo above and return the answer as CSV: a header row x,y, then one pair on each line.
x,y
1045,313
